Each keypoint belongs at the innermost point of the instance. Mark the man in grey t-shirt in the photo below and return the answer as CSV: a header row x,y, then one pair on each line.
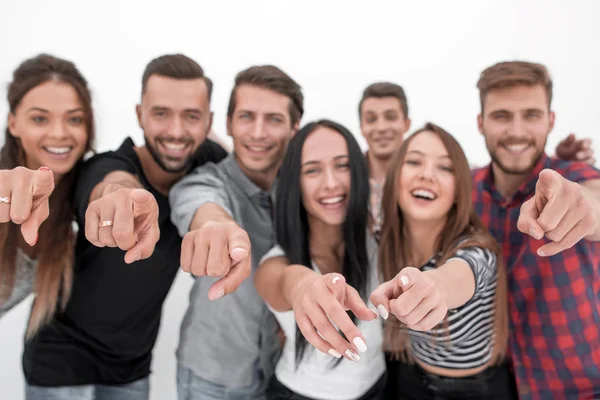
x,y
228,343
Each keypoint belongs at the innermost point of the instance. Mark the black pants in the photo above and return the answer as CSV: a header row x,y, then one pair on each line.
x,y
410,382
276,391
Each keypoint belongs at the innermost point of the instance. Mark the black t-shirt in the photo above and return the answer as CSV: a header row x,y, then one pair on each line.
x,y
110,325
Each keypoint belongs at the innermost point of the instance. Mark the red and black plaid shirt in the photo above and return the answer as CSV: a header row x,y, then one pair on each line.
x,y
554,302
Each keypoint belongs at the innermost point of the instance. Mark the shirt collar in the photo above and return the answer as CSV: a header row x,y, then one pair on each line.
x,y
526,188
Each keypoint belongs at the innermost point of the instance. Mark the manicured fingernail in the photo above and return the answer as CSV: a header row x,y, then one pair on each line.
x,y
238,252
375,313
334,353
360,344
335,279
352,355
383,311
44,169
404,280
218,295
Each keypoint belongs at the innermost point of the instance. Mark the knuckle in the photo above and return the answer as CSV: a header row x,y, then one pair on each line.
x,y
18,217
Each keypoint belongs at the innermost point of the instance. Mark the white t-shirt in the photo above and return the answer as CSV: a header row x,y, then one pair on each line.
x,y
317,375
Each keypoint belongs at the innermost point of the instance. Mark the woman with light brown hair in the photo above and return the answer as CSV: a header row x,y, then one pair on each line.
x,y
440,264
50,128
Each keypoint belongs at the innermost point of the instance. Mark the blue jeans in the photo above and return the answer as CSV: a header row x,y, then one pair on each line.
x,y
138,390
192,387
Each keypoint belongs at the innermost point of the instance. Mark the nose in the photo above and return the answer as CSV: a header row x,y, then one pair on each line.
x,y
59,130
176,129
331,181
257,132
517,127
427,171
380,125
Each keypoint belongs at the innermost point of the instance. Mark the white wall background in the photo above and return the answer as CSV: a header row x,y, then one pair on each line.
x,y
435,49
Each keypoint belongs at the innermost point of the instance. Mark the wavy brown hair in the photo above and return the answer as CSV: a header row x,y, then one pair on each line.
x,y
462,223
54,274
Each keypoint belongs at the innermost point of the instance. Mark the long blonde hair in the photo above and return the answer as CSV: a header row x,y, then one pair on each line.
x,y
54,274
462,222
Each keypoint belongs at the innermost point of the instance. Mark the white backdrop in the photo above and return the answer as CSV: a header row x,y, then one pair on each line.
x,y
435,49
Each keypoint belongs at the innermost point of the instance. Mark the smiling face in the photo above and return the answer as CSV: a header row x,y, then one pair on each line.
x,y
325,176
426,184
516,122
50,124
175,117
383,124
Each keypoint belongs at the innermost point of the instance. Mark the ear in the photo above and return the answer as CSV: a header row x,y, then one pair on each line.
x,y
552,116
407,121
11,123
480,123
228,124
210,121
296,127
138,112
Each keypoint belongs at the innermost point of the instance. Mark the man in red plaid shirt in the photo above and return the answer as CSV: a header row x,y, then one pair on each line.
x,y
545,213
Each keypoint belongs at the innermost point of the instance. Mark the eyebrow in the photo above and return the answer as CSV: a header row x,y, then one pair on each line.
x,y
423,154
336,158
46,111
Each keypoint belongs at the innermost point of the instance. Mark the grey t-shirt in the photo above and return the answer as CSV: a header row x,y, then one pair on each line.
x,y
23,287
231,341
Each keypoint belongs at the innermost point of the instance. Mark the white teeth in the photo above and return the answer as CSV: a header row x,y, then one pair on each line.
x,y
516,148
332,200
174,146
58,150
254,148
424,193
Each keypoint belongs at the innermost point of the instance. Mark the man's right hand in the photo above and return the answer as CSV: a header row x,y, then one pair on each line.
x,y
126,218
24,197
218,249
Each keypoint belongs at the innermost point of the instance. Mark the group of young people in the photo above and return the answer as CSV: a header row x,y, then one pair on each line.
x,y
321,272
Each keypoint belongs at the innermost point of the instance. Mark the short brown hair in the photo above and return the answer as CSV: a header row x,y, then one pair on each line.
x,y
271,78
385,89
514,73
176,66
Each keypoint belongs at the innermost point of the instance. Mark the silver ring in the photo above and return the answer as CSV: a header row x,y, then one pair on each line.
x,y
102,224
5,200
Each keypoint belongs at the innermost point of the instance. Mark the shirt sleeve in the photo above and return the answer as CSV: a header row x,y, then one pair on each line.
x,y
579,172
23,286
276,251
483,263
201,186
92,173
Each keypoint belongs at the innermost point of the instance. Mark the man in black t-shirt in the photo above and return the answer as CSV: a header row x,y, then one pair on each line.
x,y
128,251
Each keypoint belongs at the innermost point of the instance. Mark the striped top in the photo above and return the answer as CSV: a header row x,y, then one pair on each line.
x,y
467,340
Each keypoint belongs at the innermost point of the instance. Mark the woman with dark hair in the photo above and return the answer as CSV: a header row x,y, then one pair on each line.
x,y
50,128
323,253
458,277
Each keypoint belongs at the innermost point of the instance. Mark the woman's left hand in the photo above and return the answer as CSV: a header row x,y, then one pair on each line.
x,y
414,297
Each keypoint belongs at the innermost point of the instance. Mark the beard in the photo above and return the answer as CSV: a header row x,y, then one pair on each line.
x,y
169,164
516,170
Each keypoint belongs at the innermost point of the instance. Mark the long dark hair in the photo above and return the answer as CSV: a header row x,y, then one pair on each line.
x,y
462,222
54,272
291,224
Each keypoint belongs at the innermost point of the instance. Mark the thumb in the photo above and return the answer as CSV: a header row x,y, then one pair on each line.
x,y
238,245
407,278
43,182
143,202
356,304
527,222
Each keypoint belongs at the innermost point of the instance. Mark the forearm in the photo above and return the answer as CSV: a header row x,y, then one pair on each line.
x,y
113,182
456,281
268,279
209,212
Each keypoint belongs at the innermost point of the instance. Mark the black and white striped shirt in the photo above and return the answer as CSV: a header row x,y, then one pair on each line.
x,y
467,340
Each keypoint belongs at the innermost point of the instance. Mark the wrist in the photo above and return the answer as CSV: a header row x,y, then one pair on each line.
x,y
295,279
